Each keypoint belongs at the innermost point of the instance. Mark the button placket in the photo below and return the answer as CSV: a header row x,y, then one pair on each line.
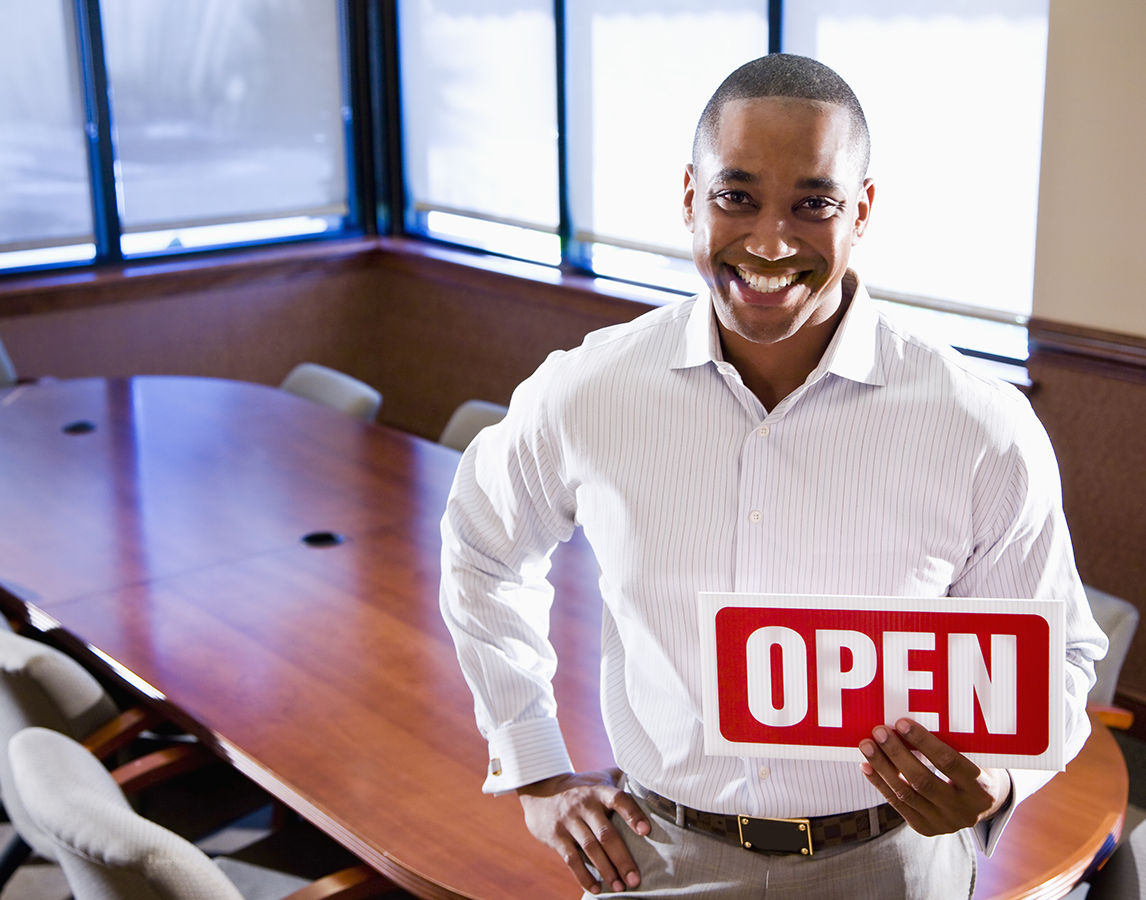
x,y
757,460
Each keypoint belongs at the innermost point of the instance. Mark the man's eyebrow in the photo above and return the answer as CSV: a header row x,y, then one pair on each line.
x,y
822,183
736,175
815,183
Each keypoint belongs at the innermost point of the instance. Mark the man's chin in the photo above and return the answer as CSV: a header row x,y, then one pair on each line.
x,y
760,324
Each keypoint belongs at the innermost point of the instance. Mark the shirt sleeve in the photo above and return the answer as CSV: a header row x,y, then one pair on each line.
x,y
1024,551
506,512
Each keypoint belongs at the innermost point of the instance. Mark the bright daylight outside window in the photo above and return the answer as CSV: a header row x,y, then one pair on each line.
x,y
479,124
229,123
45,198
953,91
639,73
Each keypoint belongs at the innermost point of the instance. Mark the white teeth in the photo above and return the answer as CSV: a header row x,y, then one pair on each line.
x,y
766,283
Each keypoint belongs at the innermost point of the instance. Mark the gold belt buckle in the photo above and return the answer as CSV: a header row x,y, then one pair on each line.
x,y
775,835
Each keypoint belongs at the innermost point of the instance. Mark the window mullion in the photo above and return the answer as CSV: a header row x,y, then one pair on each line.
x,y
570,254
387,100
101,148
357,50
775,26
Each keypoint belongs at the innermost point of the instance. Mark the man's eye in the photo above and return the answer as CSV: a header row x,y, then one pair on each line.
x,y
820,207
733,199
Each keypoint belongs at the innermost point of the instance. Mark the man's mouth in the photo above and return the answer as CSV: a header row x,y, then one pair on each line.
x,y
767,284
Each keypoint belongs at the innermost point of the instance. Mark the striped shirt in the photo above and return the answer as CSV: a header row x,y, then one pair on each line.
x,y
893,470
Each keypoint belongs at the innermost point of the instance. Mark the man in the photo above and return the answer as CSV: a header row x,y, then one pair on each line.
x,y
775,434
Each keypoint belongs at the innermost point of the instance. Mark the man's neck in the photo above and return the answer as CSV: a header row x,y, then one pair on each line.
x,y
773,371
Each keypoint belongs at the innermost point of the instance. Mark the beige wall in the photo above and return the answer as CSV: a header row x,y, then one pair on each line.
x,y
1092,196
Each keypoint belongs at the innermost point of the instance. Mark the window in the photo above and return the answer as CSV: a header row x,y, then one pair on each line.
x,y
45,197
228,120
952,90
479,123
226,125
553,131
638,74
953,94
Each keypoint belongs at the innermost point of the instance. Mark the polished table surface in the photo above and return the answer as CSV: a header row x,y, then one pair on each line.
x,y
157,525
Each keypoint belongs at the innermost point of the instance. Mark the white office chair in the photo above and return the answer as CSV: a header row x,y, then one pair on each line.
x,y
468,419
39,685
334,389
1124,875
1119,619
109,852
42,686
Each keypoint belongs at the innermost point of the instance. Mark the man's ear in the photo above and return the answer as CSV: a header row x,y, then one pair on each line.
x,y
689,196
863,209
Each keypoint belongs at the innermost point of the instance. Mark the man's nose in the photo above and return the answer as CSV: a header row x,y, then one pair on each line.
x,y
771,238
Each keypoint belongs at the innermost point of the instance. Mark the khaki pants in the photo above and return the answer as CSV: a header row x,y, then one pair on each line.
x,y
676,863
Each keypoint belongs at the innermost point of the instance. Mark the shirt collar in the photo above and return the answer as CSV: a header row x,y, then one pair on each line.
x,y
701,337
852,353
854,350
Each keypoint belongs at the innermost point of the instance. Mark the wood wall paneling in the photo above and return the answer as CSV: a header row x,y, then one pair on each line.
x,y
1091,396
428,328
452,333
249,317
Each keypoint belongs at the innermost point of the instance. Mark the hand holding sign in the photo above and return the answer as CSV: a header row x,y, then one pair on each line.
x,y
928,803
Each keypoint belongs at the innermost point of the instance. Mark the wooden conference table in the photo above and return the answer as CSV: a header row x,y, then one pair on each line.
x,y
158,525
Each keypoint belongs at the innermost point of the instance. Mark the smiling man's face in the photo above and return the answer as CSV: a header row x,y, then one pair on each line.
x,y
775,202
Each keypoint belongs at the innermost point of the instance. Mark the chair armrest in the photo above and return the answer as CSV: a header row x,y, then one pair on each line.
x,y
356,883
121,731
1112,716
158,767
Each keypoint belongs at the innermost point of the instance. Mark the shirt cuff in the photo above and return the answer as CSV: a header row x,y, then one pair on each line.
x,y
523,753
1024,782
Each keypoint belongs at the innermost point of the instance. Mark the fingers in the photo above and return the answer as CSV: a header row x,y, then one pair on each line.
x,y
608,852
901,778
602,846
572,814
954,765
632,814
961,795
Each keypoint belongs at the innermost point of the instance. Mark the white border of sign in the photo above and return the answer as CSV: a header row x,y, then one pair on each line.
x,y
715,744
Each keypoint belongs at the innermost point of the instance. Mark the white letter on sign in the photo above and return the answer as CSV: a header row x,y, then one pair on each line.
x,y
794,669
968,678
899,680
831,680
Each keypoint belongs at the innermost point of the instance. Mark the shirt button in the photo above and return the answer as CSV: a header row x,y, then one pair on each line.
x,y
763,431
754,516
764,772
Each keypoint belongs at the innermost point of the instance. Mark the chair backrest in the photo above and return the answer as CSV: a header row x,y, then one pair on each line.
x,y
1123,877
41,686
334,389
7,370
104,847
468,419
1119,619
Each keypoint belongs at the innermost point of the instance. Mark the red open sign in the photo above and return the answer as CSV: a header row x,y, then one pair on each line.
x,y
811,676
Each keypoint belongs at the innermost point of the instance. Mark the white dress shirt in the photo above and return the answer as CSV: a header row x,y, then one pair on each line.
x,y
893,470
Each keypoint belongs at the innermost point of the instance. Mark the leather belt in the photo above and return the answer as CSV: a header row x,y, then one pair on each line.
x,y
801,836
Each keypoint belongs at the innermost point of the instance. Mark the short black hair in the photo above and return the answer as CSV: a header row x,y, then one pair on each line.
x,y
790,76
